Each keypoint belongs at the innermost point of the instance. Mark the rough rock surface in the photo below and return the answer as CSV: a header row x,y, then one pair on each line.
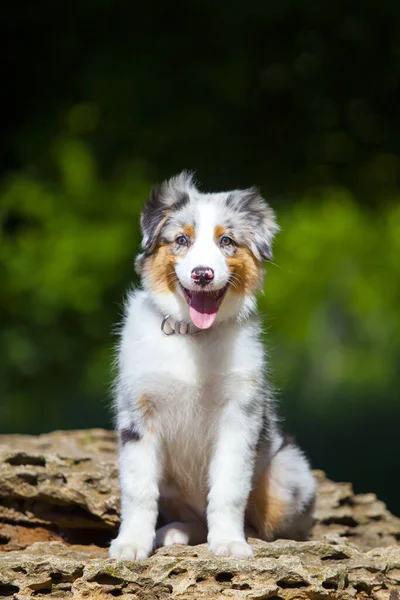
x,y
59,504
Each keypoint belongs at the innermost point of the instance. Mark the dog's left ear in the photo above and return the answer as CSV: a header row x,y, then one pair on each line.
x,y
265,230
259,221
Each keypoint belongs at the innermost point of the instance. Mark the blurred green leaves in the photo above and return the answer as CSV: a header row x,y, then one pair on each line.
x,y
66,255
332,304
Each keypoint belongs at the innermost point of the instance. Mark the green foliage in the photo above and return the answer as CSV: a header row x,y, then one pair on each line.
x,y
65,257
333,304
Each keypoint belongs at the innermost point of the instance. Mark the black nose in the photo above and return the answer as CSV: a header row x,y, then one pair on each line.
x,y
202,275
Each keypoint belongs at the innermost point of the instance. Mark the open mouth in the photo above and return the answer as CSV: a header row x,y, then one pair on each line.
x,y
203,306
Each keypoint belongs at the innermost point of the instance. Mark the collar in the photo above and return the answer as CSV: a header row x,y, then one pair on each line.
x,y
170,326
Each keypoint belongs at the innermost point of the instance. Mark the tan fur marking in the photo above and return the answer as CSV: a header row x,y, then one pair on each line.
x,y
246,270
219,231
160,269
146,406
189,231
264,510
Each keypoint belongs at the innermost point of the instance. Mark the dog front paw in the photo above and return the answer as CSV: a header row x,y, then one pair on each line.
x,y
122,550
234,548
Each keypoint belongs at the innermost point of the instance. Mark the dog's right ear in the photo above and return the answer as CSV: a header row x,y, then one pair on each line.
x,y
165,199
152,219
170,196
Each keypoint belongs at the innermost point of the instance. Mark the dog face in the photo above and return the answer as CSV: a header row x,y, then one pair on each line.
x,y
203,253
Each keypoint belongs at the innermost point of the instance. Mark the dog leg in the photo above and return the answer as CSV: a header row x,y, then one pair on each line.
x,y
281,504
139,476
230,476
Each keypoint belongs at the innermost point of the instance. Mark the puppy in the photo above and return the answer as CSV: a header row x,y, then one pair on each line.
x,y
199,438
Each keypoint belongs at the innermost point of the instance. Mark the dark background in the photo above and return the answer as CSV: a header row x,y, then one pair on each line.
x,y
102,99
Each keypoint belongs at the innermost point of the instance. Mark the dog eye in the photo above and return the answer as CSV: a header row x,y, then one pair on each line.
x,y
182,240
226,241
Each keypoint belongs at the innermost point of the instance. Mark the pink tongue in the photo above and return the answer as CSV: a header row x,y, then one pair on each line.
x,y
203,309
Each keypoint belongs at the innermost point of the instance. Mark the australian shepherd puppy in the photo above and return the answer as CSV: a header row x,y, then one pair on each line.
x,y
200,443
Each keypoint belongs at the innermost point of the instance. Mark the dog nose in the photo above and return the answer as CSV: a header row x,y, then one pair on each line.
x,y
202,275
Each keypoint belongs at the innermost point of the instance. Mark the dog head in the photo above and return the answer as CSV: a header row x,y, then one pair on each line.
x,y
203,253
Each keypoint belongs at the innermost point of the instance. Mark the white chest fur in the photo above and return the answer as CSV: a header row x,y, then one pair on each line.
x,y
187,380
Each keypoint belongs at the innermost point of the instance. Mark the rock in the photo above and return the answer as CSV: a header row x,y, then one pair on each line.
x,y
63,483
59,503
283,569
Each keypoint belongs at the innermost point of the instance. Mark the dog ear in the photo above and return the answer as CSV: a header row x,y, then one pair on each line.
x,y
258,221
164,200
265,232
265,225
152,219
